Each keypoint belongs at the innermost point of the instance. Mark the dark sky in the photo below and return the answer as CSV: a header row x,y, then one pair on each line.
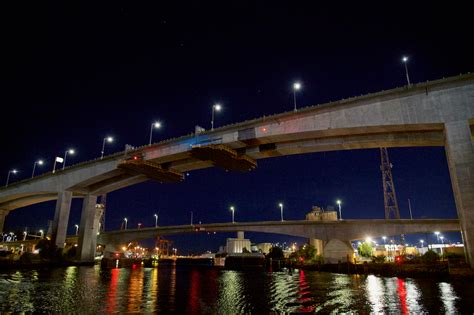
x,y
73,73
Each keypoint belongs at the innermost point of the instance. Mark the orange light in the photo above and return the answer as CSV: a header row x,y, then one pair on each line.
x,y
264,129
135,157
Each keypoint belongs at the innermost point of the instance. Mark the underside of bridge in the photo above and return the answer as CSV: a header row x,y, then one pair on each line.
x,y
151,170
224,157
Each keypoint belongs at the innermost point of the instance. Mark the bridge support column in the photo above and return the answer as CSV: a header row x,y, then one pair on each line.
x,y
87,231
460,156
3,214
61,218
337,251
97,215
318,244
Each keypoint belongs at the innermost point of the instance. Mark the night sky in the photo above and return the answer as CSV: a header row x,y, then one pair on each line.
x,y
74,73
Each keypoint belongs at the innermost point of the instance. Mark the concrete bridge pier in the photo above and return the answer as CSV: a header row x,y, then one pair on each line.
x,y
88,230
336,251
460,155
3,214
318,244
61,218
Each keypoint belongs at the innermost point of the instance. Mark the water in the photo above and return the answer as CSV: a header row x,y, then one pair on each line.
x,y
90,290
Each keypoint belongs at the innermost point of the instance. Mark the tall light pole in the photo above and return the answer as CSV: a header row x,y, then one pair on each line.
x,y
422,241
233,210
106,139
281,210
405,60
437,236
41,233
215,108
70,151
13,171
156,220
384,238
339,204
39,162
191,218
442,242
77,228
126,220
296,87
155,125
409,208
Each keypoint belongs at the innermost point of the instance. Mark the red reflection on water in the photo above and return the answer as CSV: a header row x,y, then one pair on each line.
x,y
402,295
193,301
111,296
302,278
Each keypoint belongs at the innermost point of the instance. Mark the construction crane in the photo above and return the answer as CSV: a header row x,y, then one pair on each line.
x,y
389,194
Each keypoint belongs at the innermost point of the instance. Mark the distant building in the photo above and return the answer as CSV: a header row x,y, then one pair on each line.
x,y
264,248
319,214
237,245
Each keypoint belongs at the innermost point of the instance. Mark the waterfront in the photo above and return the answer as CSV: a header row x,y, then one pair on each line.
x,y
87,290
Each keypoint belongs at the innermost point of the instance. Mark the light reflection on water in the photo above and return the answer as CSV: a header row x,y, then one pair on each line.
x,y
87,290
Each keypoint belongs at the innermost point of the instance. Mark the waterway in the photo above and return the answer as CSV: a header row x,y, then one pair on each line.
x,y
91,290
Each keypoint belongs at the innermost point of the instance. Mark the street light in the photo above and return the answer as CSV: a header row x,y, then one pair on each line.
x,y
422,241
339,204
126,220
232,209
13,171
41,233
70,151
281,210
106,139
437,236
296,87
139,225
215,107
77,228
384,238
405,60
39,162
155,125
156,220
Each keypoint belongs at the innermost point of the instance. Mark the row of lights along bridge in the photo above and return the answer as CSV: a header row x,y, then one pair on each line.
x,y
232,210
157,125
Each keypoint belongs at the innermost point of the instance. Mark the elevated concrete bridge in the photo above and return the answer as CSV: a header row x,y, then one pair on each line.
x,y
437,113
324,230
329,232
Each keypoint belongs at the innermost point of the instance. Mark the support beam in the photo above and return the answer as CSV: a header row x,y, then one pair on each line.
x,y
61,218
87,237
3,214
337,251
96,229
318,244
460,156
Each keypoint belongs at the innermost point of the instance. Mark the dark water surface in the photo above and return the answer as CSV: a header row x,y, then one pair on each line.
x,y
89,290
